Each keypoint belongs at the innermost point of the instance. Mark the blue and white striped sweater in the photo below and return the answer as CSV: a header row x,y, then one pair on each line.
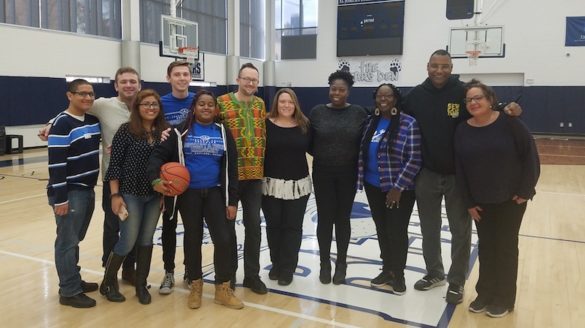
x,y
73,154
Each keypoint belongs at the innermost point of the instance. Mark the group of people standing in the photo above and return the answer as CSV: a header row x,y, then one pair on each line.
x,y
422,147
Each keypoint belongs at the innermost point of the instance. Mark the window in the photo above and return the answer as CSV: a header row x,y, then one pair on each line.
x,y
211,16
296,29
95,17
252,22
23,12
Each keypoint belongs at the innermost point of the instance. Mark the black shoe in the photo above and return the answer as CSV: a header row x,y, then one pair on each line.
x,y
339,276
256,285
454,294
428,282
398,286
88,287
498,311
77,301
325,273
273,273
143,294
478,306
382,279
285,279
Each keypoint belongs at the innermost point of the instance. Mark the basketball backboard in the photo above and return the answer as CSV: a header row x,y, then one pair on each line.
x,y
179,38
488,40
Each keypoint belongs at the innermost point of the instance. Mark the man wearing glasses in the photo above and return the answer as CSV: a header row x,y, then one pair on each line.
x,y
176,106
438,106
112,112
74,141
245,115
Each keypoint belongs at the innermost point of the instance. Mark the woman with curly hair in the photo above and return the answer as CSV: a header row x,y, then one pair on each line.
x,y
337,131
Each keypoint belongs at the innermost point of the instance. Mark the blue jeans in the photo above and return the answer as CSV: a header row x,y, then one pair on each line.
x,y
71,229
139,226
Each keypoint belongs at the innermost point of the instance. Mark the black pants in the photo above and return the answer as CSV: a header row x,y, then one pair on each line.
x,y
498,252
194,206
250,195
391,227
284,231
112,230
169,234
334,193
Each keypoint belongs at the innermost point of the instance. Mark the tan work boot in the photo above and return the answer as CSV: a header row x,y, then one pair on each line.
x,y
194,300
224,295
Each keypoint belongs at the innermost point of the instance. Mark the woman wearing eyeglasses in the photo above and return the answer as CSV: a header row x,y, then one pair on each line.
x,y
389,159
337,130
497,170
132,197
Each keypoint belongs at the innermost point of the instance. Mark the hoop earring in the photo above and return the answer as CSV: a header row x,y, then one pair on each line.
x,y
393,111
377,112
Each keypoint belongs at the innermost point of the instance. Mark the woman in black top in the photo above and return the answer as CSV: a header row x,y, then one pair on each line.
x,y
337,130
133,199
497,170
287,185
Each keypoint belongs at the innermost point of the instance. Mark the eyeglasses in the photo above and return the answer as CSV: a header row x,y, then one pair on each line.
x,y
474,99
84,94
249,80
150,105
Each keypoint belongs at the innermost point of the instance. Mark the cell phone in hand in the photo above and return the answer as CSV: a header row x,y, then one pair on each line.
x,y
123,213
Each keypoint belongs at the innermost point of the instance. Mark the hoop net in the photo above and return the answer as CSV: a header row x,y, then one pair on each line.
x,y
473,56
191,53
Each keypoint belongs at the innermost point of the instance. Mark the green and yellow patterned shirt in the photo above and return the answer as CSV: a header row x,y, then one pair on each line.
x,y
247,123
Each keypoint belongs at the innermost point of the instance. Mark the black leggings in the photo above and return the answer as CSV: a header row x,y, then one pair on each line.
x,y
334,193
194,205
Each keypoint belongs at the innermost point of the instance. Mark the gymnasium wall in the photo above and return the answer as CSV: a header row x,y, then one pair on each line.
x,y
548,75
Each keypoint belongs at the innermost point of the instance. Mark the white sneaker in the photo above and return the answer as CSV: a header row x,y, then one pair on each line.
x,y
166,286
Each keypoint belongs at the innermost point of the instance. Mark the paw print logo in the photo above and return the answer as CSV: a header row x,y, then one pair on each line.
x,y
395,66
343,66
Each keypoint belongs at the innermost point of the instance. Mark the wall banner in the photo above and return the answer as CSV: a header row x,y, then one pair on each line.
x,y
371,72
575,34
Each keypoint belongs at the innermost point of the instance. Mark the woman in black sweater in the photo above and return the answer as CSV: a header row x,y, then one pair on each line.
x,y
497,170
287,185
337,130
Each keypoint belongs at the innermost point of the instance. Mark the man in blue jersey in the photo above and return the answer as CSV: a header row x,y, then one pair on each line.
x,y
74,141
176,106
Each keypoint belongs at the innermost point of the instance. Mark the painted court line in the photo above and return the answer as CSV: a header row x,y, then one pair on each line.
x,y
185,291
23,198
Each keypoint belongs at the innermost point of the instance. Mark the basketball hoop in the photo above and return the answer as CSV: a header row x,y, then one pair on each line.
x,y
473,56
191,53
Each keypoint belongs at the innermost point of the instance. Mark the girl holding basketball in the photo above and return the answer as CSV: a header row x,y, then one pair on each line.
x,y
132,197
208,151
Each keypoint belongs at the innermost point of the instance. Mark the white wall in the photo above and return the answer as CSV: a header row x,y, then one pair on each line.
x,y
534,35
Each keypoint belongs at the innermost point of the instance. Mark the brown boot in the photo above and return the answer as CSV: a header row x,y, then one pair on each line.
x,y
224,295
194,300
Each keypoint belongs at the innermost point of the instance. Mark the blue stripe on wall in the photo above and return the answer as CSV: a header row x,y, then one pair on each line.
x,y
35,100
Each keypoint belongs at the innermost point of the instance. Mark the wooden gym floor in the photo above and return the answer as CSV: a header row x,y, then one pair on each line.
x,y
551,287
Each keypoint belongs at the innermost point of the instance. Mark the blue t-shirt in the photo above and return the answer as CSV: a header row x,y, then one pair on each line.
x,y
372,174
203,149
175,109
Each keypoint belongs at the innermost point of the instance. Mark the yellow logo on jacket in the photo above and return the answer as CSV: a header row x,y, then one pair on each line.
x,y
453,110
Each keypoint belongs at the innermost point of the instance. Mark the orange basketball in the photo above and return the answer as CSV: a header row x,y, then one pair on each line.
x,y
178,174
